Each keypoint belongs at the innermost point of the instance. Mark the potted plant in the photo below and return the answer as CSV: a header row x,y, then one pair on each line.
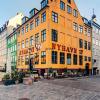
x,y
14,76
7,80
21,75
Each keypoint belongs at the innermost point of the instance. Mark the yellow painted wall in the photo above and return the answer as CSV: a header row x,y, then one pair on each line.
x,y
66,35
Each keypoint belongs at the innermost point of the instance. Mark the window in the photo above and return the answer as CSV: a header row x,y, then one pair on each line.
x,y
54,17
85,44
31,40
85,58
11,50
69,59
54,57
69,1
26,43
80,43
89,59
37,37
75,59
22,60
80,29
62,5
80,60
44,3
43,17
13,59
18,63
43,57
18,46
99,32
26,28
23,30
15,47
97,42
54,35
18,33
9,40
75,13
37,21
23,46
36,58
31,25
43,35
86,29
26,60
89,31
96,30
94,42
69,9
62,58
93,28
75,26
14,36
89,46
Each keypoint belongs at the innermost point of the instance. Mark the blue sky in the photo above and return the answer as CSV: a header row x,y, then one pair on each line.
x,y
9,8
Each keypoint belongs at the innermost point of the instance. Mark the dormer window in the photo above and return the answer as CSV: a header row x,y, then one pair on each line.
x,y
33,12
44,3
24,19
69,1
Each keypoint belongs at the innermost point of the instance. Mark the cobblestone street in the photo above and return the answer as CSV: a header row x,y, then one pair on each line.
x,y
58,89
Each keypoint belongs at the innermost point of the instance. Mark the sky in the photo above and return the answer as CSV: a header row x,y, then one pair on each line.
x,y
9,8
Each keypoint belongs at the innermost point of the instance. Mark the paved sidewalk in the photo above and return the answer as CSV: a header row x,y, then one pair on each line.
x,y
58,89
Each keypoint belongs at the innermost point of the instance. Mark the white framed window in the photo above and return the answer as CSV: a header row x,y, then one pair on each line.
x,y
80,29
97,42
18,46
26,30
75,26
23,46
93,40
26,42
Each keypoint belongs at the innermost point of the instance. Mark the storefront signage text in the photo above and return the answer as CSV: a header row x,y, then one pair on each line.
x,y
63,48
26,51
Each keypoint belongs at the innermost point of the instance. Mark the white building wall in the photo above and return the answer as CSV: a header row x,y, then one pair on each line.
x,y
96,47
4,56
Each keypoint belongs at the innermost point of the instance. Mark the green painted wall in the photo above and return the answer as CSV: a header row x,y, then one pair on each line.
x,y
12,46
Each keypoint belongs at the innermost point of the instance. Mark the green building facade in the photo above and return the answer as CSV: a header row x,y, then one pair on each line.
x,y
12,50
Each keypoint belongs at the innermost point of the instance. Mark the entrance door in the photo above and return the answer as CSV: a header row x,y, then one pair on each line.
x,y
87,69
31,63
94,70
42,72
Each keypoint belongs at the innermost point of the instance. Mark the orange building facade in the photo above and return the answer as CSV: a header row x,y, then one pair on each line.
x,y
54,37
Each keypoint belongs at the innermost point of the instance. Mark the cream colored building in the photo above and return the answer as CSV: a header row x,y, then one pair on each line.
x,y
5,31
